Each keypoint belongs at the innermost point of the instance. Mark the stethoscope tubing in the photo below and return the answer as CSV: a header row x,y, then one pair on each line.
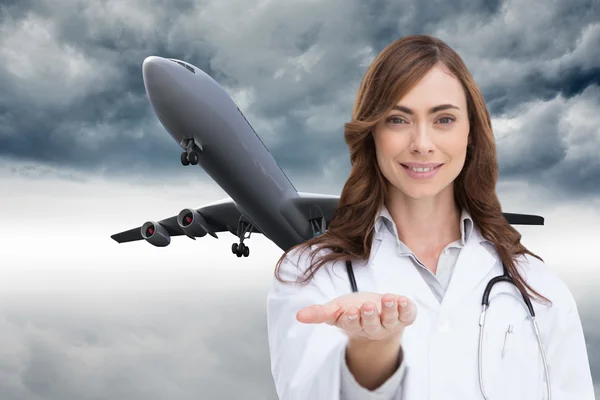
x,y
485,303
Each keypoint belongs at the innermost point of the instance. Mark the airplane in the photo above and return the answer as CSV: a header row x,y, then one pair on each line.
x,y
214,134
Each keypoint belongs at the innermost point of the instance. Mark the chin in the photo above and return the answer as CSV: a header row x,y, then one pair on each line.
x,y
421,194
420,191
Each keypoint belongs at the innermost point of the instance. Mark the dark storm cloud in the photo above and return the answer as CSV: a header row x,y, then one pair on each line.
x,y
556,144
383,21
110,126
290,59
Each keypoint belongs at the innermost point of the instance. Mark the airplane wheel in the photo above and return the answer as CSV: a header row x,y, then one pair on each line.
x,y
241,247
239,254
234,248
246,251
184,159
193,157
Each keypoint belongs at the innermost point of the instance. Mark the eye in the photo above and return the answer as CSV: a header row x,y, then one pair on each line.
x,y
395,119
450,120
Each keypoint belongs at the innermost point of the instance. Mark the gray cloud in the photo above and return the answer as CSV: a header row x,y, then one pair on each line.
x,y
528,51
153,346
73,103
73,94
554,143
591,327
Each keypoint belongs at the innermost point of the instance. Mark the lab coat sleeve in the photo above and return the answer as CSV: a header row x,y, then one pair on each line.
x,y
307,359
568,363
391,389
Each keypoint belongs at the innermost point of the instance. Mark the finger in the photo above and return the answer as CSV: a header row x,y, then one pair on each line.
x,y
389,311
350,321
318,314
370,319
407,310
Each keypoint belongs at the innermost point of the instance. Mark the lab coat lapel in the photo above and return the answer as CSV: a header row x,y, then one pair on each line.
x,y
413,285
474,264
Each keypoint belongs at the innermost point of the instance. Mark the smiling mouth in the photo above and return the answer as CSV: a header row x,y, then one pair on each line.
x,y
421,169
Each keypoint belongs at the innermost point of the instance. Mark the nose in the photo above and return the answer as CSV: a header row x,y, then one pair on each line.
x,y
150,66
156,76
421,140
166,92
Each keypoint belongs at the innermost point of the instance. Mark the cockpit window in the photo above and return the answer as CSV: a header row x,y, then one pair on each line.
x,y
184,65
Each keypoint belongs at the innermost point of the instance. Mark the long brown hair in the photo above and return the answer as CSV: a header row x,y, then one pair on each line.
x,y
390,76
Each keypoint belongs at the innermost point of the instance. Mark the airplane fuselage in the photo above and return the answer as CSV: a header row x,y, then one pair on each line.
x,y
195,109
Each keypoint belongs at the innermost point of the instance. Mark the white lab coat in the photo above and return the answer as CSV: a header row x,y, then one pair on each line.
x,y
440,348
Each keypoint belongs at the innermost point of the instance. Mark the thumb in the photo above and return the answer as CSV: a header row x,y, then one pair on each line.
x,y
318,314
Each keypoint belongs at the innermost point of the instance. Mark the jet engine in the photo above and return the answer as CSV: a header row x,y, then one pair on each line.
x,y
192,223
155,234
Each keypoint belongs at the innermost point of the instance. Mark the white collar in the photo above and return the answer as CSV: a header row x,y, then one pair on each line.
x,y
383,219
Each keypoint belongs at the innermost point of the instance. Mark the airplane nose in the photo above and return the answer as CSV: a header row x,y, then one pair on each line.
x,y
149,66
154,74
179,93
165,91
160,81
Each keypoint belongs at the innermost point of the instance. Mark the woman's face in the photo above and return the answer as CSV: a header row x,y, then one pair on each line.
x,y
412,135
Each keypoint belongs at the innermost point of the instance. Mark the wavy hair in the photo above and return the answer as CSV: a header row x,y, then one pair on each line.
x,y
389,77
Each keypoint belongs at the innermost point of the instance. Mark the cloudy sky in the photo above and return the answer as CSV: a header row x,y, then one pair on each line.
x,y
82,156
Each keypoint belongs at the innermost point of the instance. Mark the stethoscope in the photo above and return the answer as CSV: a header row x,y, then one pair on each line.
x,y
485,303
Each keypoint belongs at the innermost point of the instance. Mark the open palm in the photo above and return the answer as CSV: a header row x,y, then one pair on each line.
x,y
372,316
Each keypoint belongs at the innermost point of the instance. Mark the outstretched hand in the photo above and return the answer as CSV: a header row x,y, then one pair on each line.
x,y
370,316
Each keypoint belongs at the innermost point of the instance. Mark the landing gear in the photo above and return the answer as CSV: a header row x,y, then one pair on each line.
x,y
240,249
191,155
318,226
190,158
184,159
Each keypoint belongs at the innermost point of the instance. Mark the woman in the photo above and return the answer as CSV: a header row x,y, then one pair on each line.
x,y
421,223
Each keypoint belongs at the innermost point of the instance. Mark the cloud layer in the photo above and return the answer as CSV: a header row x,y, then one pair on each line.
x,y
82,156
83,317
153,346
74,95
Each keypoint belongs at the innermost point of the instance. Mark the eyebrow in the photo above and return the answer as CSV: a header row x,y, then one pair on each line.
x,y
431,111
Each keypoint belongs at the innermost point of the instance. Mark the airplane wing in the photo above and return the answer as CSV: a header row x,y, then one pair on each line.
x,y
313,203
220,216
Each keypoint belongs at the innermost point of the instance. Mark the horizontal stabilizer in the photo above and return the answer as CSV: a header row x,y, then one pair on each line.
x,y
523,219
327,204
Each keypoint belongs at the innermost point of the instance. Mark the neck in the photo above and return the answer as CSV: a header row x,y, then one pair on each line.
x,y
425,225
